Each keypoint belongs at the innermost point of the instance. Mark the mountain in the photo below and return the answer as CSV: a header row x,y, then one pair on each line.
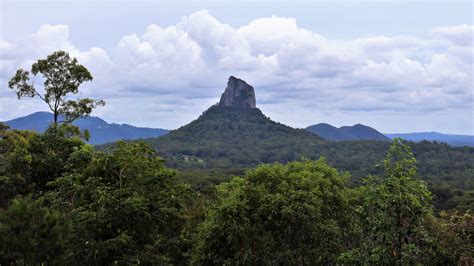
x,y
355,132
101,131
233,133
454,140
362,132
329,132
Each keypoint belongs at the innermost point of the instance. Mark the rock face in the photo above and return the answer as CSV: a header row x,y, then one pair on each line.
x,y
238,94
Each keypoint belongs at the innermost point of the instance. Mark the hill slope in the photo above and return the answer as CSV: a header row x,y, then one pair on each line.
x,y
454,140
355,132
329,132
101,131
233,137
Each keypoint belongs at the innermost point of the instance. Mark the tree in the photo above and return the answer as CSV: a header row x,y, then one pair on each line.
x,y
30,160
453,239
15,165
126,207
3,129
31,234
62,76
393,211
293,214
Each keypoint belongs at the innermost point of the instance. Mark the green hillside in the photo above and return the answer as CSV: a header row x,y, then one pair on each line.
x,y
226,137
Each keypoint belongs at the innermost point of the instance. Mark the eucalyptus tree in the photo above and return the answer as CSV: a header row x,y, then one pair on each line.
x,y
62,76
393,212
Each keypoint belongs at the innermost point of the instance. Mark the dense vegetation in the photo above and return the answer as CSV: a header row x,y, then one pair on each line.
x,y
65,203
224,142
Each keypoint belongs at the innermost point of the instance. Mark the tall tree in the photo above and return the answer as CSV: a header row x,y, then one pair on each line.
x,y
393,211
126,207
293,214
62,76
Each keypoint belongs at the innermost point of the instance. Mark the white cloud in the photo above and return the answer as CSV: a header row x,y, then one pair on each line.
x,y
186,65
460,34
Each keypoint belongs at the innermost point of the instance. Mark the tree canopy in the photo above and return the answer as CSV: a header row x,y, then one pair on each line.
x,y
63,202
393,210
277,215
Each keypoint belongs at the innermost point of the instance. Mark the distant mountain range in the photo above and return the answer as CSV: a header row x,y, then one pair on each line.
x,y
362,132
454,140
355,132
101,131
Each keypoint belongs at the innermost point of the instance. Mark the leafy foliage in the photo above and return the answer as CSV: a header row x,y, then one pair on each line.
x,y
31,160
276,215
453,239
393,210
125,207
31,233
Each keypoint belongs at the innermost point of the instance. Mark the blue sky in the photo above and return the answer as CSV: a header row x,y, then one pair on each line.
x,y
398,66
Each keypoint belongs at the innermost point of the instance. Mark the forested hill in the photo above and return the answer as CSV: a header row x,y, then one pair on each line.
x,y
224,137
355,132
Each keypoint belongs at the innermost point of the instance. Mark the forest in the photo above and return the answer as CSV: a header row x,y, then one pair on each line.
x,y
66,202
63,202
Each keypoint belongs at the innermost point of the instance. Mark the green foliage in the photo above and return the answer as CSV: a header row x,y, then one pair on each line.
x,y
126,207
31,160
51,152
393,211
452,239
15,165
31,234
3,128
123,206
277,215
62,76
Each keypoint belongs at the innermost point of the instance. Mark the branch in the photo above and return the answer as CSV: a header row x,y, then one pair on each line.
x,y
44,100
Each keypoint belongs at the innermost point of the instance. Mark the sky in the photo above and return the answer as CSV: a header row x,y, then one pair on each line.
x,y
398,66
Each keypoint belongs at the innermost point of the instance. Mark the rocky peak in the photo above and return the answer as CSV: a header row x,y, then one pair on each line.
x,y
238,94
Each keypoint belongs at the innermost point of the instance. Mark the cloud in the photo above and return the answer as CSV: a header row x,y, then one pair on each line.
x,y
460,34
185,67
